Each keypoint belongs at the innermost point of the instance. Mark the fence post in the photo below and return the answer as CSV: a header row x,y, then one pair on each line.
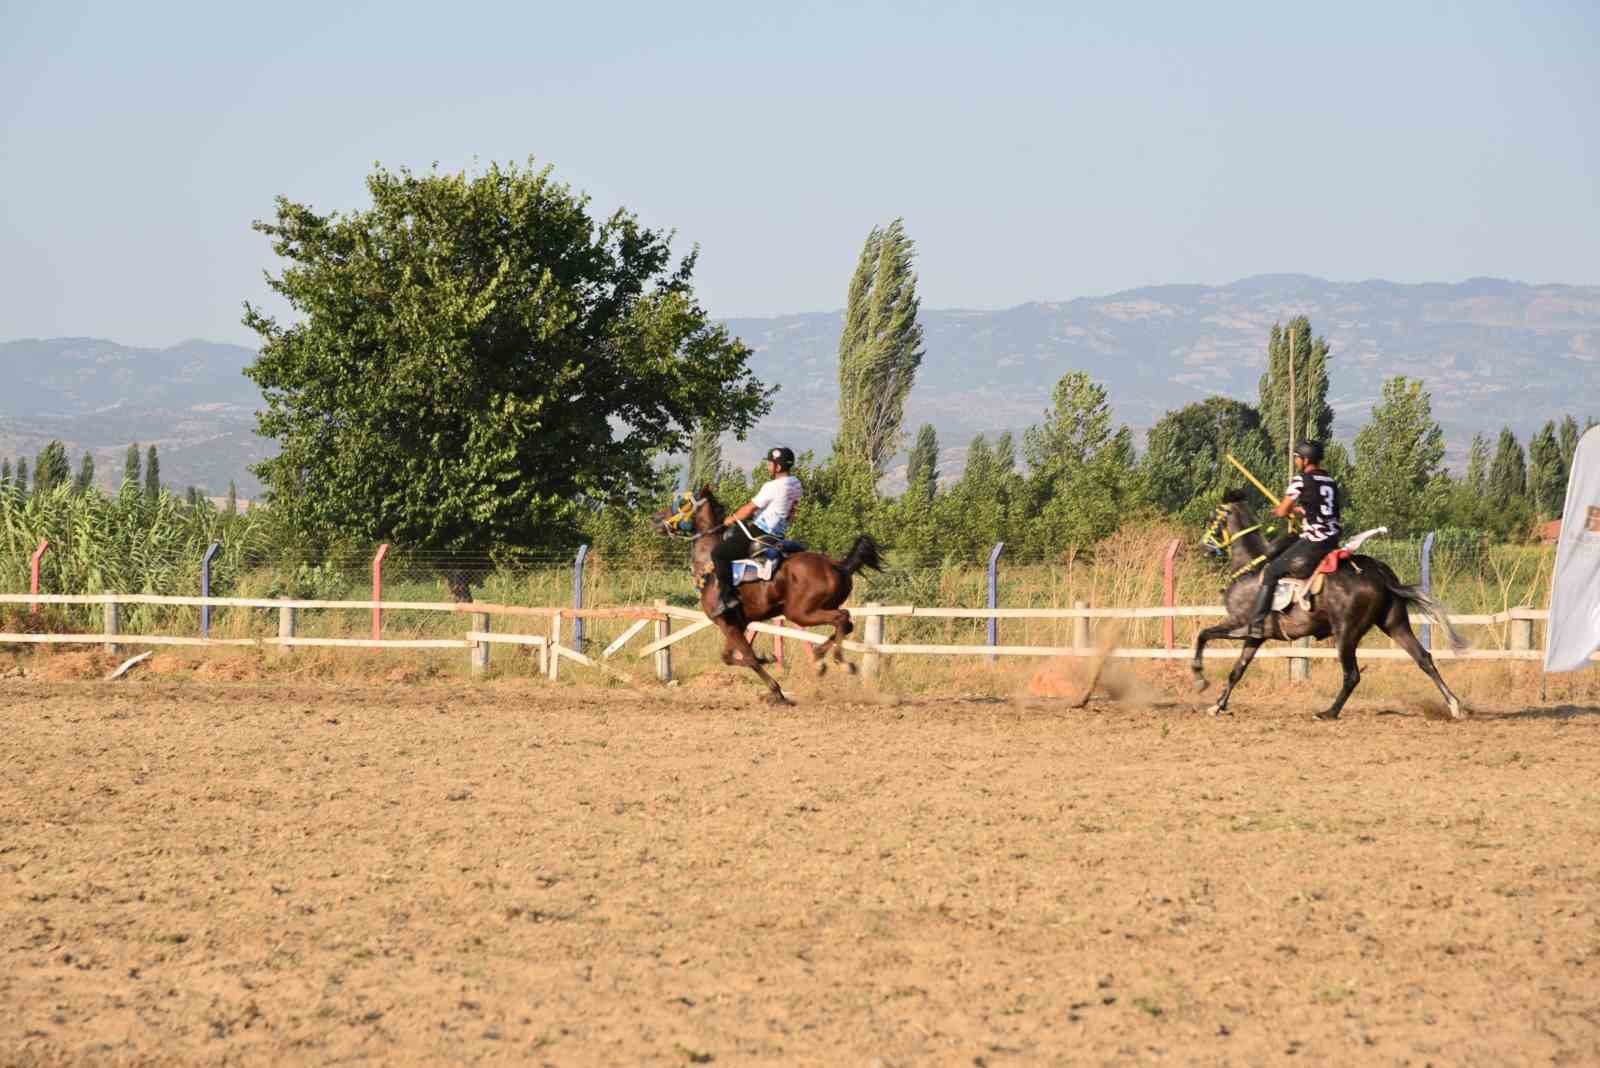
x,y
205,587
286,622
33,582
577,596
377,592
994,595
1080,628
874,635
1299,666
113,625
663,656
1521,631
480,649
555,646
1170,594
1427,583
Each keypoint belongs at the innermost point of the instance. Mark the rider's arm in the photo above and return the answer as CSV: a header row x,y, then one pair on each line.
x,y
1286,507
741,513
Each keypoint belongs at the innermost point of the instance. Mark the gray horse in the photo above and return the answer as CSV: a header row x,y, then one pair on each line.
x,y
1361,594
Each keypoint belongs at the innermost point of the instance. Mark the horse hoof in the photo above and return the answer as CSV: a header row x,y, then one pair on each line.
x,y
822,668
776,697
1218,709
851,669
1326,714
1456,711
1200,684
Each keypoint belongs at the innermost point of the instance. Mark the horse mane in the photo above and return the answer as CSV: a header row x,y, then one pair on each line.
x,y
1236,495
717,510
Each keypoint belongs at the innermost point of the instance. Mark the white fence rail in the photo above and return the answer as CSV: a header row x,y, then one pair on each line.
x,y
479,639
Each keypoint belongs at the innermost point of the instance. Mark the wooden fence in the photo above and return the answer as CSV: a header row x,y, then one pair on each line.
x,y
481,636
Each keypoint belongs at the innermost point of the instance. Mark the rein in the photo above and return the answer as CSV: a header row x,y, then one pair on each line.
x,y
1219,541
681,524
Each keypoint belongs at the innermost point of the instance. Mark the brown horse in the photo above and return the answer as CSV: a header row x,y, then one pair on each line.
x,y
1361,594
806,589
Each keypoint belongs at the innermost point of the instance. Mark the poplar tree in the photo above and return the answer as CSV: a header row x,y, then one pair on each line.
x,y
1508,474
85,480
1398,479
1478,464
51,468
1569,435
231,507
5,472
130,466
705,458
1547,472
22,476
880,349
1312,415
922,466
152,474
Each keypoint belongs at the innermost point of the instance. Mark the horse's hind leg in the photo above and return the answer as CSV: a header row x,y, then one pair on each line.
x,y
1398,628
1247,654
1352,674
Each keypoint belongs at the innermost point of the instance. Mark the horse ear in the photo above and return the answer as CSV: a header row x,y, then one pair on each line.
x,y
1234,496
705,491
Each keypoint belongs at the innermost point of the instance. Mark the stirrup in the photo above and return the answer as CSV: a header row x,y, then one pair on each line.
x,y
726,605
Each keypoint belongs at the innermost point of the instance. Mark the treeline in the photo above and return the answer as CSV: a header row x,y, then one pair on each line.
x,y
142,471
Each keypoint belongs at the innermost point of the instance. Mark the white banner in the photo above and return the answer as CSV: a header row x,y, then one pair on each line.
x,y
1575,592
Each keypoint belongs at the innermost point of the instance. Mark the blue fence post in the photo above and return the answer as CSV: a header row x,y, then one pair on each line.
x,y
577,596
205,587
1427,583
994,593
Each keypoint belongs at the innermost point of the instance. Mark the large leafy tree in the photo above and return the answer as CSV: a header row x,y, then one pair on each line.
x,y
1313,417
1547,472
51,468
1185,466
477,359
1398,479
880,349
1081,467
1508,472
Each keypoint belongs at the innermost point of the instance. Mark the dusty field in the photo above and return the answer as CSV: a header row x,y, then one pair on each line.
x,y
284,872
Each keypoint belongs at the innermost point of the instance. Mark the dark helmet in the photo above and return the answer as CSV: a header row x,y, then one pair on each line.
x,y
782,456
1309,451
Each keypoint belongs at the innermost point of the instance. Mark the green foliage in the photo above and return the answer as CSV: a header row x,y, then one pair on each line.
x,y
85,479
51,469
1081,472
152,474
130,465
22,476
1313,416
922,466
1398,480
1184,470
1508,474
1478,464
1547,473
705,457
880,349
478,362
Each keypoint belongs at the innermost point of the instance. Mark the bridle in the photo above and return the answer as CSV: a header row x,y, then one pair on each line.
x,y
681,523
1219,540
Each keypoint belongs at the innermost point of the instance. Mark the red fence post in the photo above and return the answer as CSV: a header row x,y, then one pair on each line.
x,y
33,585
377,592
1171,594
777,643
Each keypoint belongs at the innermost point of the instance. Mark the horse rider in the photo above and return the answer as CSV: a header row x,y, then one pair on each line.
x,y
765,517
1315,494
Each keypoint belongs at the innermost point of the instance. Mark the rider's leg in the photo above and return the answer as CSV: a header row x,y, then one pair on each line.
x,y
1280,565
736,546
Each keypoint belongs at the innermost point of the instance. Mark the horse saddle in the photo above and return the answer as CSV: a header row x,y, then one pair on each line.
x,y
762,566
1300,591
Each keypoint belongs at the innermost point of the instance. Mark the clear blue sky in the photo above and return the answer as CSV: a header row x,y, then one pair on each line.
x,y
1035,154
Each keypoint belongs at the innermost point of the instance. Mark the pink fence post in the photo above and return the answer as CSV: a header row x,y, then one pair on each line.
x,y
1171,592
777,643
377,592
33,585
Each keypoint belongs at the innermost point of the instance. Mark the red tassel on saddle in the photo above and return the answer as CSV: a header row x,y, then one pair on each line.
x,y
1331,562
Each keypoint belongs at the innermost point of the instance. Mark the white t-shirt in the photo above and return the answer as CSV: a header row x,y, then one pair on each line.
x,y
775,503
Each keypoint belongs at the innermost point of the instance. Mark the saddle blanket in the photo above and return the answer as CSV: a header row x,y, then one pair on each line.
x,y
754,570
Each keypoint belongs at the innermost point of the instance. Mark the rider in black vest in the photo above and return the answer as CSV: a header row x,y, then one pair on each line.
x,y
1315,494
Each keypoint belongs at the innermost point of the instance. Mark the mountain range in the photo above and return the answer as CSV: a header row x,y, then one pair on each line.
x,y
1492,353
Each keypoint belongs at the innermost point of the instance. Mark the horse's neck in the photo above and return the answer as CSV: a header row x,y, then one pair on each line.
x,y
1244,550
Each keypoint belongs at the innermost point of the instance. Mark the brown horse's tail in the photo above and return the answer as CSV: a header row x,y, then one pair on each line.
x,y
864,553
1417,597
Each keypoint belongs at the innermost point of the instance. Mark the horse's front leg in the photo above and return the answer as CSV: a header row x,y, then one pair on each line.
x,y
1198,664
1247,654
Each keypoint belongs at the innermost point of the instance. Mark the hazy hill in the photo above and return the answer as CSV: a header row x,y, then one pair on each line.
x,y
1492,353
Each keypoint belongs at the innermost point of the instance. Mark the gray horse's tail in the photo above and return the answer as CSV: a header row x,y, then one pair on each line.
x,y
1418,598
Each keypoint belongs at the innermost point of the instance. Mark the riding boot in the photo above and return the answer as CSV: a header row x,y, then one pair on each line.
x,y
728,603
1257,627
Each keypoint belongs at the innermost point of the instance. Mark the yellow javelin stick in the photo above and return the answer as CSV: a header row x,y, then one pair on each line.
x,y
1253,479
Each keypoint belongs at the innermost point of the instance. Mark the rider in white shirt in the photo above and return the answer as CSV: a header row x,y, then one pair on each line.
x,y
764,516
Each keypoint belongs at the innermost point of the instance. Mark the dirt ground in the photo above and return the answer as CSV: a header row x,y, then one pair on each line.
x,y
206,871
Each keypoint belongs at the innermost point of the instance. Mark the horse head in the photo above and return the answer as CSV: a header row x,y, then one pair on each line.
x,y
1234,528
692,514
